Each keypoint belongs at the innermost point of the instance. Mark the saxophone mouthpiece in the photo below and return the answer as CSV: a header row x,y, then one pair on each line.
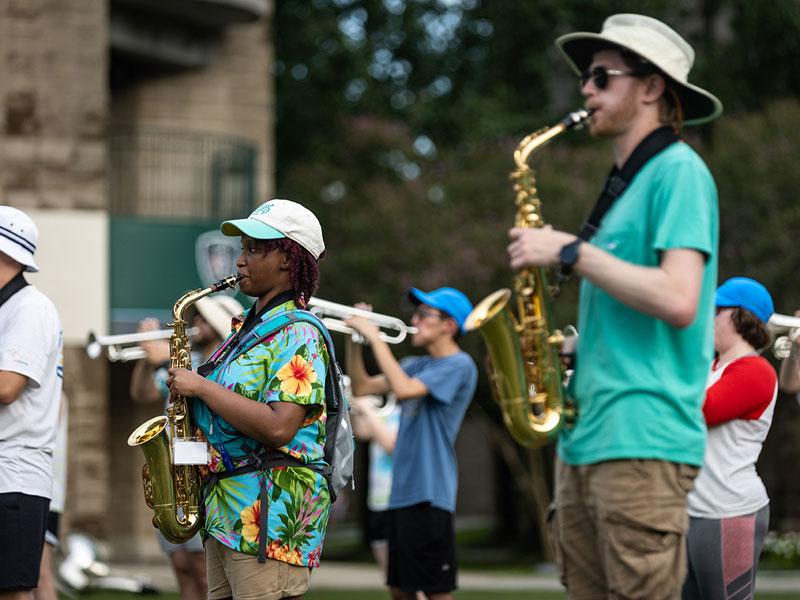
x,y
227,282
577,118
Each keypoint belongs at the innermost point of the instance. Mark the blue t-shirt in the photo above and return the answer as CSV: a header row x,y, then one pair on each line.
x,y
639,382
425,467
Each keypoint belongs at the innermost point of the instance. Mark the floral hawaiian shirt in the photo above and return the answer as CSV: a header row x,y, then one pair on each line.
x,y
288,367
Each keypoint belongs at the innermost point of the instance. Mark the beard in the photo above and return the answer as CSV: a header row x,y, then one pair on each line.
x,y
613,121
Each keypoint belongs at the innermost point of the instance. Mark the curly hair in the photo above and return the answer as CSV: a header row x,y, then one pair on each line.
x,y
303,269
751,328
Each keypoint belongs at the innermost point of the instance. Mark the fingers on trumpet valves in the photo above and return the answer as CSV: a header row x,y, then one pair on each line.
x,y
789,342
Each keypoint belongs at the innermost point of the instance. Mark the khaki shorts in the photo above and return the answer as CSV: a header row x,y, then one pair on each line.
x,y
240,576
619,528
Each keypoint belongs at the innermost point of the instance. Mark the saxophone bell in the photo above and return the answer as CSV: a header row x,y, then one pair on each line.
x,y
525,361
171,488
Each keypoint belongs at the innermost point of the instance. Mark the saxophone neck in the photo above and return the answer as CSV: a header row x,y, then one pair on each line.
x,y
189,298
537,139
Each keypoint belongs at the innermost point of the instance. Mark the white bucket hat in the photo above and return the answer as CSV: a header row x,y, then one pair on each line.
x,y
18,237
655,42
218,311
277,219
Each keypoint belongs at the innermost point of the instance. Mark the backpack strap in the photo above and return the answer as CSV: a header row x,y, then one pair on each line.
x,y
266,461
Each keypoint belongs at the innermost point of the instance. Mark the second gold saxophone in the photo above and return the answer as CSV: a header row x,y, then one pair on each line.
x,y
524,351
174,492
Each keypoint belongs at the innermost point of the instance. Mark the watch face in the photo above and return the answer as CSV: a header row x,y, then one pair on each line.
x,y
569,253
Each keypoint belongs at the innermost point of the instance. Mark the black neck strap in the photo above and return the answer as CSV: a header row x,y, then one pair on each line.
x,y
618,179
12,287
252,317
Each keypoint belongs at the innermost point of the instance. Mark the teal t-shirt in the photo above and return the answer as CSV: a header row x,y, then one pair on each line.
x,y
639,382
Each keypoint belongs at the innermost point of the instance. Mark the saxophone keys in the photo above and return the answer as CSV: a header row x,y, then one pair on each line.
x,y
534,220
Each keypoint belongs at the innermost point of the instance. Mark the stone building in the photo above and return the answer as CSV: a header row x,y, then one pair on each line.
x,y
129,127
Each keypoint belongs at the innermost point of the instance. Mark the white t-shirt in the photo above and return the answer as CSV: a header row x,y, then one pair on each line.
x,y
380,464
31,344
60,465
740,401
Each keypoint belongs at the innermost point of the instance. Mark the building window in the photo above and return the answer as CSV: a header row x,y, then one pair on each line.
x,y
160,172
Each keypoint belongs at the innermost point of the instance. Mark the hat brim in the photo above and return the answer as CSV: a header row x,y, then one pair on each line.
x,y
417,297
19,254
250,227
699,106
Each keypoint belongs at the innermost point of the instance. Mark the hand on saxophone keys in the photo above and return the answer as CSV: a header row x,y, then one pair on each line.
x,y
536,246
183,382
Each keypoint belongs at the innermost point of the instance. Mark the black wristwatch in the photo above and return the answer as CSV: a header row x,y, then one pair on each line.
x,y
569,256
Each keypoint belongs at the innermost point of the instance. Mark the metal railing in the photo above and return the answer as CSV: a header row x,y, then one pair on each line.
x,y
160,172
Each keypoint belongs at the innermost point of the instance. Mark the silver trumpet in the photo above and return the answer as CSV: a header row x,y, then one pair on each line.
x,y
125,347
334,316
784,323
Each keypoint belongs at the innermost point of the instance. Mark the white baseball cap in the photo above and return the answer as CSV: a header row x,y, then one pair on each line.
x,y
18,237
655,42
277,219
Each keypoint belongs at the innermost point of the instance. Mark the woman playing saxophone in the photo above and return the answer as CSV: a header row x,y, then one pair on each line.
x,y
262,410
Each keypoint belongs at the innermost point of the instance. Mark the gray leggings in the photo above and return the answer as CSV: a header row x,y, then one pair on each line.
x,y
723,556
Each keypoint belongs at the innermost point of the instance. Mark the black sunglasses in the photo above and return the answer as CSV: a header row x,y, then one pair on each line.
x,y
600,76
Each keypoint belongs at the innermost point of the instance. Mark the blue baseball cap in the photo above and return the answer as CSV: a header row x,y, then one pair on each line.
x,y
746,293
449,300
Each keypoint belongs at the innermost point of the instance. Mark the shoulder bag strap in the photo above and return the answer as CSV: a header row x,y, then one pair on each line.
x,y
618,179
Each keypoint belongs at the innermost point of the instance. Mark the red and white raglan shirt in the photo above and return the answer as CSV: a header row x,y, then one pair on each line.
x,y
740,401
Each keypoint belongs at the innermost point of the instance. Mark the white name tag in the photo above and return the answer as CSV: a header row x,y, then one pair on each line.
x,y
189,452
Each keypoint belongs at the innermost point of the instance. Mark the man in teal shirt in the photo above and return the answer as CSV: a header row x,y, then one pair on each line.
x,y
645,316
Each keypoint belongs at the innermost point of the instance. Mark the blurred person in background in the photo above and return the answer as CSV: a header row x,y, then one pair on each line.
x,y
790,366
378,425
212,317
31,373
729,506
47,589
434,392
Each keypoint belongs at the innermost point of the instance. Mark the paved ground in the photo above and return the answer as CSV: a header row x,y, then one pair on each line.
x,y
333,575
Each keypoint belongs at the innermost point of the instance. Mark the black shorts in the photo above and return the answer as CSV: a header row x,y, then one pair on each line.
x,y
51,535
422,549
23,520
377,526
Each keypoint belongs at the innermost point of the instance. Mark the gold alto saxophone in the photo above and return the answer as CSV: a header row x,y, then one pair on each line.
x,y
524,353
174,491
